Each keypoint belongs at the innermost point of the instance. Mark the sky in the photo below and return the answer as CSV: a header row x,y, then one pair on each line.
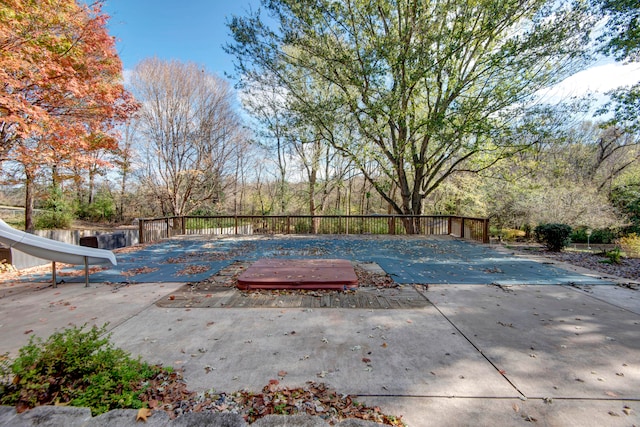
x,y
186,30
195,31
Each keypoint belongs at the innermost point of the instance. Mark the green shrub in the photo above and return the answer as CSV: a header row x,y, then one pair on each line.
x,y
603,235
57,211
614,256
49,220
76,367
630,245
103,208
555,237
598,236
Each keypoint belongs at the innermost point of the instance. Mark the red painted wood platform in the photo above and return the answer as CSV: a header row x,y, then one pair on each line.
x,y
336,274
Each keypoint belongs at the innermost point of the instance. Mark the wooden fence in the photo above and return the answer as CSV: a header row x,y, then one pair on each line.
x,y
154,229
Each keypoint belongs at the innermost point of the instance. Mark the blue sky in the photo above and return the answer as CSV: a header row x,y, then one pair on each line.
x,y
187,30
195,31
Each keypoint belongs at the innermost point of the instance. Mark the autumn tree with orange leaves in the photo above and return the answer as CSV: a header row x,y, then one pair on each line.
x,y
61,88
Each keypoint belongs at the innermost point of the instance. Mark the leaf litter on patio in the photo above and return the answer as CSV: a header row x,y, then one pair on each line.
x,y
168,392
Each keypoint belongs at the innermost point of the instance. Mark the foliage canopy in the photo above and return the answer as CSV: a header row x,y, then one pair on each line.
x,y
422,88
62,90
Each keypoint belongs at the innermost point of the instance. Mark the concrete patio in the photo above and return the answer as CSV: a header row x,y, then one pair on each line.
x,y
481,354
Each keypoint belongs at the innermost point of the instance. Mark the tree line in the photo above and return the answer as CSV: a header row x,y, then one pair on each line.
x,y
347,107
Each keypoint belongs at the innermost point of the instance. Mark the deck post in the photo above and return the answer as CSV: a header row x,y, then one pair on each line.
x,y
86,272
53,274
141,231
485,237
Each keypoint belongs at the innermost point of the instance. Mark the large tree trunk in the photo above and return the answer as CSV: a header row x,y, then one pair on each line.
x,y
312,199
28,202
123,193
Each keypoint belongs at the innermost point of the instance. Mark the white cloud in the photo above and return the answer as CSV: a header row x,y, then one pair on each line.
x,y
596,80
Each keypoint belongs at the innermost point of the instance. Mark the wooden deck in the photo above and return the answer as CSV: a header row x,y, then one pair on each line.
x,y
401,297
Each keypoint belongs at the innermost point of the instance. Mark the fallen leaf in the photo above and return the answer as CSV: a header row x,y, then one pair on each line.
x,y
516,408
384,345
611,394
28,331
21,407
273,385
366,360
143,414
626,410
172,297
282,373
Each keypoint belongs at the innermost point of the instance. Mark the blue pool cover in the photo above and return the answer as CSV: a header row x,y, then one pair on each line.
x,y
406,260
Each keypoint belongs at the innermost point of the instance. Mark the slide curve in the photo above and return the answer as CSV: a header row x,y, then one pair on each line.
x,y
53,250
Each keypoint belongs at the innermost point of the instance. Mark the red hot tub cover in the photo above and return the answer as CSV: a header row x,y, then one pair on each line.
x,y
336,274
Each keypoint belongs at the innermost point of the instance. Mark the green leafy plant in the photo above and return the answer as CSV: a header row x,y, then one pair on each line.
x,y
614,256
57,211
77,367
555,237
102,208
598,236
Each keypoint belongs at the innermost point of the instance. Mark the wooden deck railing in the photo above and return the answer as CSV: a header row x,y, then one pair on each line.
x,y
154,229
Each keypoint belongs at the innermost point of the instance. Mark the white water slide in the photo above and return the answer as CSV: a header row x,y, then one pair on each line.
x,y
54,250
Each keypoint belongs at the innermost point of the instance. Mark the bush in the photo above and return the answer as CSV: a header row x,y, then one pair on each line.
x,y
598,236
103,208
554,236
49,220
614,256
75,367
603,235
630,245
57,213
